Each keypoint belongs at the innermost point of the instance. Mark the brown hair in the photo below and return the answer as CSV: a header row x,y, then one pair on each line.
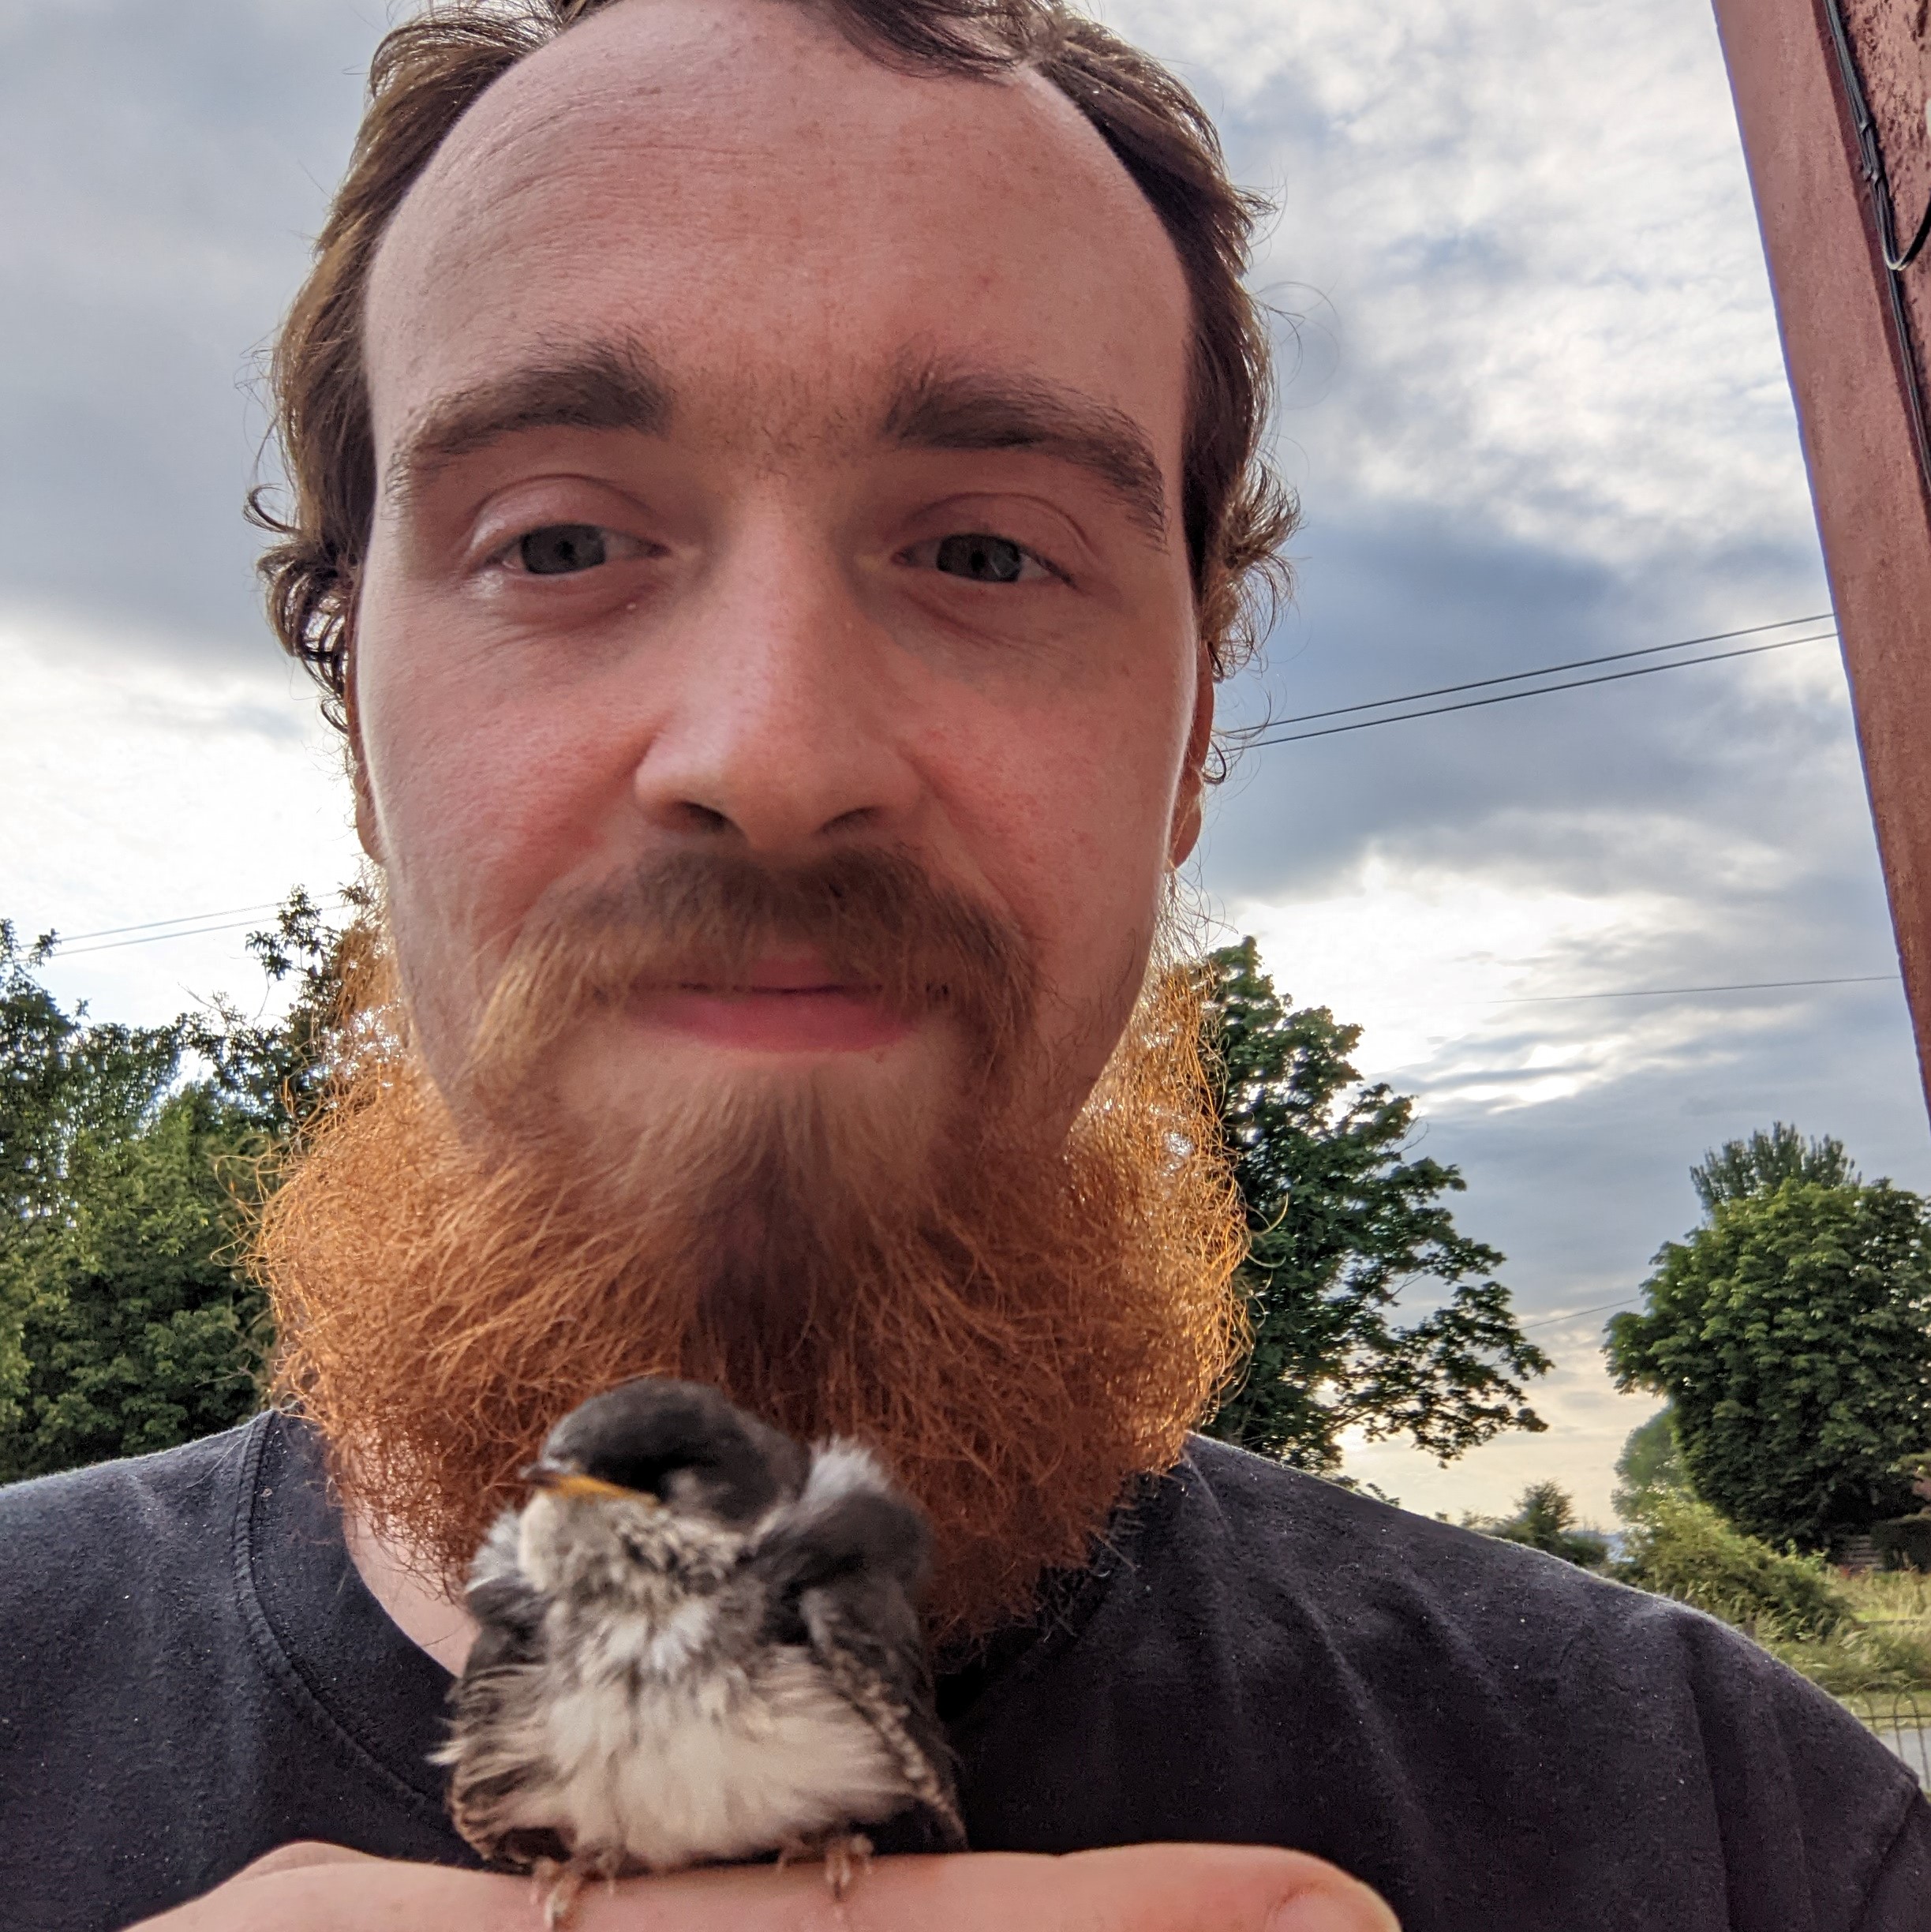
x,y
427,72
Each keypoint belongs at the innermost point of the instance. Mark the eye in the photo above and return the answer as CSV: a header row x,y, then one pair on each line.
x,y
562,549
980,557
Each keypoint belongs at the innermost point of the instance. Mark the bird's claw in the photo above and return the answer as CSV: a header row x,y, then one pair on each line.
x,y
847,1855
558,1882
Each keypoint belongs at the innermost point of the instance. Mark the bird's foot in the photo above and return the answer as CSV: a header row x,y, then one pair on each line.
x,y
559,1882
847,1855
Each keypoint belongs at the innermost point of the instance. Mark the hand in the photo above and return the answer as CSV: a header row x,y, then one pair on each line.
x,y
1181,1888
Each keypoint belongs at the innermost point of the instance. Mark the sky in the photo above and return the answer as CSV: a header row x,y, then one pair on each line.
x,y
1532,401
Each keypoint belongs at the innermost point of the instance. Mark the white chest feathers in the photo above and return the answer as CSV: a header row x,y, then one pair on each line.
x,y
686,1765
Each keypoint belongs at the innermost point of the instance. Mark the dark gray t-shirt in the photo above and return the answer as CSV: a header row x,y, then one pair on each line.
x,y
192,1673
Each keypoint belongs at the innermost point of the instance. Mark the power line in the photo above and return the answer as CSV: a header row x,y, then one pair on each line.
x,y
196,925
1549,1321
187,932
1540,690
110,932
1738,986
190,931
1575,664
186,926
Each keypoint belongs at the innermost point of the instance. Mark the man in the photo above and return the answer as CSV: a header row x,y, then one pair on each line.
x,y
774,484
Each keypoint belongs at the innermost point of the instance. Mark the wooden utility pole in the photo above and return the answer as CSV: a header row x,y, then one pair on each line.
x,y
1831,96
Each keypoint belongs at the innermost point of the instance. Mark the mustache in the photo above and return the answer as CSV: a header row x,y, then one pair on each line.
x,y
875,916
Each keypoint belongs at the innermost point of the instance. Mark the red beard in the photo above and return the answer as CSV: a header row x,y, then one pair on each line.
x,y
1018,1324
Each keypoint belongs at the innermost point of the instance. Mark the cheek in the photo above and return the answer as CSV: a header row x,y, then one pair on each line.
x,y
481,796
1068,811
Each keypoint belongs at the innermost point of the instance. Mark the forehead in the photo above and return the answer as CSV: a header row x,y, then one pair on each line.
x,y
779,220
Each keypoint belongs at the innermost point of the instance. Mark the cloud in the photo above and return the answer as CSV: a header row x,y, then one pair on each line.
x,y
141,791
1533,229
166,168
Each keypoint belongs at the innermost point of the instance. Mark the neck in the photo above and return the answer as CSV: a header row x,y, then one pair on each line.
x,y
406,1586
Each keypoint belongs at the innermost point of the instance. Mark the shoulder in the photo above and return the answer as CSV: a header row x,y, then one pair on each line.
x,y
1364,1572
1471,1628
1334,1548
1304,1665
124,1530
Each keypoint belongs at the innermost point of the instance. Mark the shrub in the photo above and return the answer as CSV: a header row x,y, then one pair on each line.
x,y
1682,1548
1545,1519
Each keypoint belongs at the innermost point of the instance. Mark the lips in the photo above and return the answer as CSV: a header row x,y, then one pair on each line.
x,y
787,973
783,1004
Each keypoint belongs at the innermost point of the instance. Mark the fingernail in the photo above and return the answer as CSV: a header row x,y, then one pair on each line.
x,y
1326,1910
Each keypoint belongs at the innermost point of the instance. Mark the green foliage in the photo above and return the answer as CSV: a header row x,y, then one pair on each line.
x,y
1764,1162
1681,1547
272,1075
1886,1647
1340,1223
126,1322
1652,1460
1852,1636
137,1330
1792,1334
1545,1519
130,1159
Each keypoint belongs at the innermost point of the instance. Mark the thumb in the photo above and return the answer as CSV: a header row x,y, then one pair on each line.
x,y
302,1853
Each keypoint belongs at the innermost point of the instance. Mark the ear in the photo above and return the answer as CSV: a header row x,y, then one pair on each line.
x,y
1187,802
368,831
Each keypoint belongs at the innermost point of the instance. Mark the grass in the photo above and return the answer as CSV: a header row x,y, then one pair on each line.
x,y
1880,1649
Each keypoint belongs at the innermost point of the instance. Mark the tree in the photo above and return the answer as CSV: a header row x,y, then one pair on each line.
x,y
272,1075
1764,1162
127,1321
138,1328
1341,1222
1792,1334
131,1157
1545,1519
1651,1464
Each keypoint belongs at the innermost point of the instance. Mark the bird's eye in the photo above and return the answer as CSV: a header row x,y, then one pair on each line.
x,y
562,549
979,557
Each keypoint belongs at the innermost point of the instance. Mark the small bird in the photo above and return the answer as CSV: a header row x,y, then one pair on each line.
x,y
697,1642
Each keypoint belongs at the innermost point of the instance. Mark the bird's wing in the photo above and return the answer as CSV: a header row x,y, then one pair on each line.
x,y
882,1671
493,1705
508,1608
839,1574
509,1626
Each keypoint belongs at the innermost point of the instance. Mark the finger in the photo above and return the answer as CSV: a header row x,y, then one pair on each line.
x,y
1188,1888
1157,1888
344,1891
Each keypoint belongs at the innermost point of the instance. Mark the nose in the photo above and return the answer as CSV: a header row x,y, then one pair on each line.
x,y
786,723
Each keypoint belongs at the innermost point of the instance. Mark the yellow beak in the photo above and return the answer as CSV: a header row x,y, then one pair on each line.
x,y
568,1483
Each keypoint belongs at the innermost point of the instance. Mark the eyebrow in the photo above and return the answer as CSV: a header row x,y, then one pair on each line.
x,y
938,407
934,406
603,387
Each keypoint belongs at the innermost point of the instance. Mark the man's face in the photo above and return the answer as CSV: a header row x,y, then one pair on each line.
x,y
780,459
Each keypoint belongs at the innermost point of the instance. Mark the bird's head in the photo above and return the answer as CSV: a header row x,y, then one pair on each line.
x,y
680,1445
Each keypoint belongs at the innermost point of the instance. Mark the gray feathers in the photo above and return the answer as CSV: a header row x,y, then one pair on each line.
x,y
696,1643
